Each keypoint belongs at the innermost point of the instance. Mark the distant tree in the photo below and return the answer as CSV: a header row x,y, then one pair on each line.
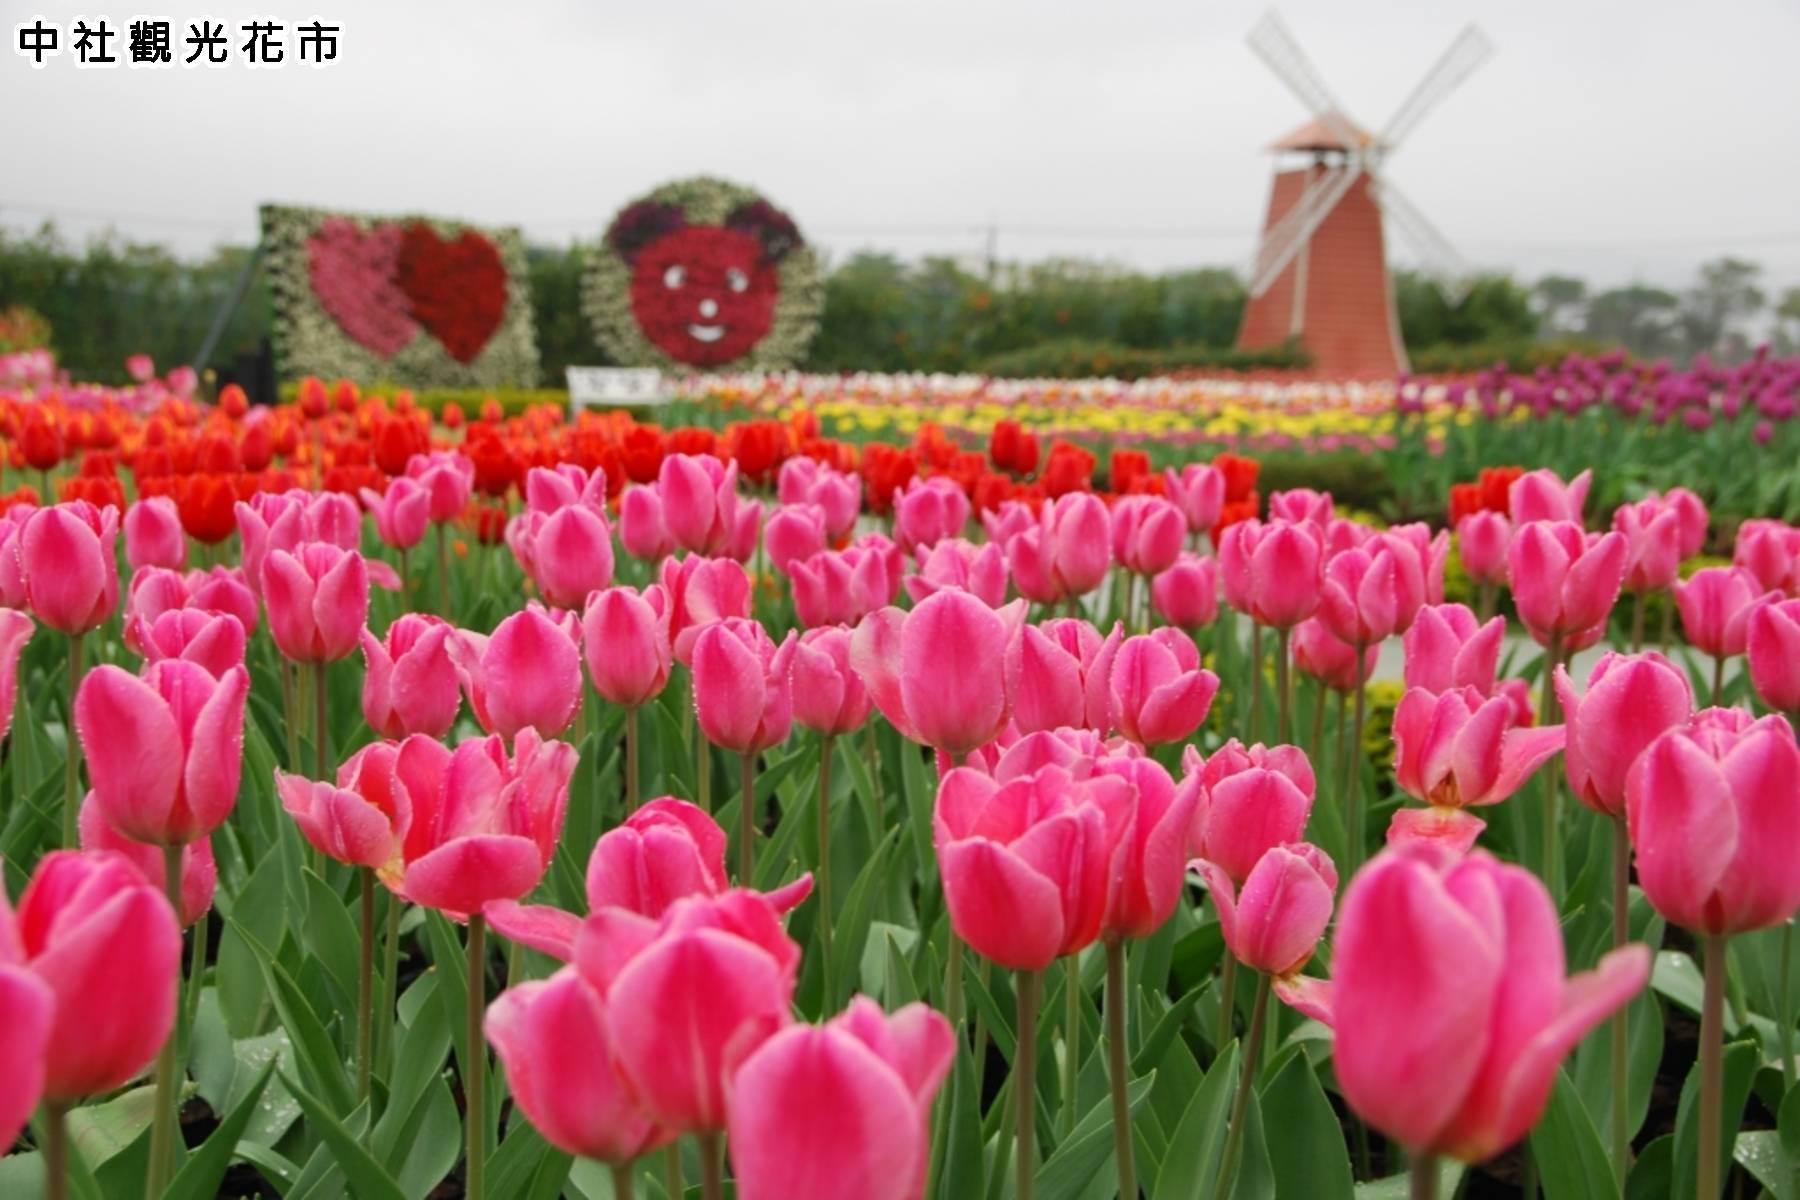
x,y
1713,310
1495,310
1643,319
1560,298
564,335
1787,320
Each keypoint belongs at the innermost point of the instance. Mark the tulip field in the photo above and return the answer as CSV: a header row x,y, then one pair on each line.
x,y
877,789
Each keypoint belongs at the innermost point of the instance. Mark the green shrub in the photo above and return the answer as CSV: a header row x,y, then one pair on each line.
x,y
1086,359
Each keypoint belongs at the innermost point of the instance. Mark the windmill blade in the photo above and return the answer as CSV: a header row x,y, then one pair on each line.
x,y
1438,260
1470,49
1284,240
1275,45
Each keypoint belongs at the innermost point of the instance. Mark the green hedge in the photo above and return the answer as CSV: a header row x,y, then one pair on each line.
x,y
1086,359
1519,355
513,400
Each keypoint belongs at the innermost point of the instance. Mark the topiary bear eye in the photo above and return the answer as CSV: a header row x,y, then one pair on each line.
x,y
736,280
674,277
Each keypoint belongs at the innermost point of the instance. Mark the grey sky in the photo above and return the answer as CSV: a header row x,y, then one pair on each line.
x,y
1617,141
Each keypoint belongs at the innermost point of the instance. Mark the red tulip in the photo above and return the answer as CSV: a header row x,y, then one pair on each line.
x,y
106,944
164,752
1714,813
1026,863
842,1109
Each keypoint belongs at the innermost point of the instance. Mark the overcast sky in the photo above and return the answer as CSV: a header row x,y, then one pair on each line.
x,y
1616,141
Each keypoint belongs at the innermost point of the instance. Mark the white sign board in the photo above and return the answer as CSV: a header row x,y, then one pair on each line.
x,y
607,386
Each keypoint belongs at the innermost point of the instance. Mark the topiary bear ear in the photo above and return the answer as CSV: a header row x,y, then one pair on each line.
x,y
770,226
640,225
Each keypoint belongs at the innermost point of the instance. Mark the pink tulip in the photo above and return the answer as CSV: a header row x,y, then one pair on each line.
x,y
1447,649
164,752
625,636
402,513
794,531
106,944
568,553
551,489
1152,852
1300,505
1067,552
1773,643
1653,541
1026,863
1769,550
483,827
1010,519
214,640
66,558
1274,922
341,822
1272,571
822,1112
155,591
1160,693
742,694
141,367
1483,540
448,477
1147,534
702,591
199,872
525,675
1320,653
1450,1005
1251,801
641,528
1187,594
12,575
1691,510
957,563
1714,813
689,997
552,1037
1630,701
410,681
699,501
1565,582
318,601
900,657
829,697
1060,674
1715,604
809,481
841,587
1457,750
745,531
1199,492
27,1010
153,534
1373,591
1541,496
929,510
15,630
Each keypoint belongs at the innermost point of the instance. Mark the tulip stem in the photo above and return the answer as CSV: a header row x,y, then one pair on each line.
x,y
321,718
1025,1086
1712,1048
1486,599
1227,1000
1718,680
1784,1005
365,988
405,582
1071,1064
1256,660
1124,1156
1423,1173
1318,723
390,983
72,779
162,1129
631,760
712,1179
1637,622
1621,1022
443,557
953,984
1353,830
190,996
705,774
1283,685
824,909
56,1152
474,1085
747,818
623,1187
676,1185
1247,1063
1547,704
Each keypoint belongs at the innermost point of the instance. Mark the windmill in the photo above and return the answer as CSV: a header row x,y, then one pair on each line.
x,y
1320,273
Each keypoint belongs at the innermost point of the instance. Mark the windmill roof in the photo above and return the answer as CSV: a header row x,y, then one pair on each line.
x,y
1317,134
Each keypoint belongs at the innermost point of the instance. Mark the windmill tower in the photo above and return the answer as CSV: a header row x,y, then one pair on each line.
x,y
1320,275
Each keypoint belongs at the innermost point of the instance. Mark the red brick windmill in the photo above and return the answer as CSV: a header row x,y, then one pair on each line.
x,y
1320,274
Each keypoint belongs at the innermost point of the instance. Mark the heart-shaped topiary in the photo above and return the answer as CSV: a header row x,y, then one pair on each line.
x,y
456,289
351,270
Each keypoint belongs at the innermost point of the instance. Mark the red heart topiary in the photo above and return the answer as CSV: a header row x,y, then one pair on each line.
x,y
457,289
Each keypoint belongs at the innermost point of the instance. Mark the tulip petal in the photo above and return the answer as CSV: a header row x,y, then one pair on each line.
x,y
543,927
1001,907
133,749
